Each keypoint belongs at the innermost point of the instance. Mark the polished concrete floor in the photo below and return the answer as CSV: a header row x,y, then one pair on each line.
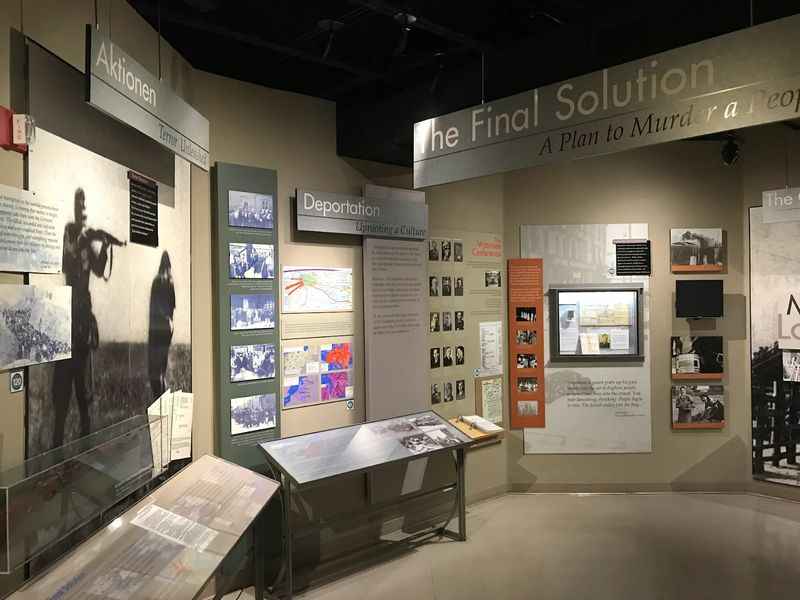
x,y
600,547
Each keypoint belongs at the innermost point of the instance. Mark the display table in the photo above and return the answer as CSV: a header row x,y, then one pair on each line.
x,y
168,545
313,459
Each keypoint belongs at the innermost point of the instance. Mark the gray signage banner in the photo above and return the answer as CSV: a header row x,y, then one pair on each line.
x,y
780,206
342,213
122,88
745,78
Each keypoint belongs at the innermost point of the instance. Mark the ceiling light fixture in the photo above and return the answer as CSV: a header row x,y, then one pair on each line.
x,y
406,20
329,26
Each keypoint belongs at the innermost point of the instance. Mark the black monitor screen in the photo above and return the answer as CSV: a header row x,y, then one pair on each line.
x,y
698,298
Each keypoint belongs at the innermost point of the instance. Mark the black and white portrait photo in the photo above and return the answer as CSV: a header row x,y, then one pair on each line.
x,y
35,325
435,326
447,286
251,261
446,251
436,359
252,311
436,394
252,413
461,389
448,392
491,279
697,249
130,334
458,286
433,286
433,250
247,209
447,356
447,321
458,251
252,362
459,355
459,320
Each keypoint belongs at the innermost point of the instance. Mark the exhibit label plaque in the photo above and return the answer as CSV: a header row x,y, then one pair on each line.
x,y
741,79
356,215
125,90
31,235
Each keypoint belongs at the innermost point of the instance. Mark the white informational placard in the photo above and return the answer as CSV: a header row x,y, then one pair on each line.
x,y
492,399
182,412
591,409
395,327
491,342
31,232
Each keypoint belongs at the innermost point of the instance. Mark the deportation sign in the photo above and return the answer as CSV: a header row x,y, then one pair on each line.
x,y
122,88
341,213
745,78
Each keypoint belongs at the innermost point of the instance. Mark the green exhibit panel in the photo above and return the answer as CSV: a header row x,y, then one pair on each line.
x,y
247,349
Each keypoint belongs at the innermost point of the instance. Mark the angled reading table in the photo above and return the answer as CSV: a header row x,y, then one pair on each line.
x,y
306,461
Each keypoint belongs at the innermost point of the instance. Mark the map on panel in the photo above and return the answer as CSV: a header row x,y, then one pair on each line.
x,y
317,370
316,289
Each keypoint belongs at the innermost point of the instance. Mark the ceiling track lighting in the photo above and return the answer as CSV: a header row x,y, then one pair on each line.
x,y
329,26
406,20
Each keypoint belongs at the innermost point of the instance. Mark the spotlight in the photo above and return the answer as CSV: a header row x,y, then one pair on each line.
x,y
406,20
730,152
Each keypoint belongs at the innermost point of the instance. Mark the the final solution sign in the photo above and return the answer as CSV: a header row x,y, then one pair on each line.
x,y
737,80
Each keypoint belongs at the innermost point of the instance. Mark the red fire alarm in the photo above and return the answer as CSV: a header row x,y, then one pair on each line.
x,y
7,119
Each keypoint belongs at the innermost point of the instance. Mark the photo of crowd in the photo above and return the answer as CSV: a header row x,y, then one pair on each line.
x,y
252,311
251,261
252,413
252,362
526,361
246,209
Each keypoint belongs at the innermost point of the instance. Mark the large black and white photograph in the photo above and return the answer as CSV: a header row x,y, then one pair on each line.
x,y
697,249
247,209
252,311
35,325
694,357
252,362
251,261
252,413
130,304
698,407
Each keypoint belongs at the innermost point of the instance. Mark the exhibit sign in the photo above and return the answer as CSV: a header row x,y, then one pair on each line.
x,y
740,79
31,232
526,346
356,215
592,407
780,205
122,88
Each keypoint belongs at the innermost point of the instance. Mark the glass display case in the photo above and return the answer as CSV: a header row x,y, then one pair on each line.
x,y
46,498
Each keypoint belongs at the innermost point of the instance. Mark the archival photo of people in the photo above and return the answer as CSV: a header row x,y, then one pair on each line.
x,y
251,261
697,249
447,356
458,286
528,408
459,355
526,314
458,251
527,385
492,279
461,389
433,286
526,361
252,413
525,337
791,366
35,325
447,251
252,362
130,334
448,392
436,394
459,320
419,444
246,209
252,311
447,285
698,407
435,326
433,250
697,356
447,321
436,358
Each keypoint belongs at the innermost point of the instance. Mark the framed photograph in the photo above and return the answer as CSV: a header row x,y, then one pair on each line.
x,y
459,320
447,250
461,389
252,311
696,357
698,407
251,261
247,209
526,361
436,394
528,408
435,325
447,356
459,355
448,391
253,413
694,250
436,358
527,385
252,362
433,250
492,279
526,314
458,251
433,286
447,321
525,337
447,285
458,286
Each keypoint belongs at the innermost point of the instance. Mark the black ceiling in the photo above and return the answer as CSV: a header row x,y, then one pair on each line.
x,y
384,79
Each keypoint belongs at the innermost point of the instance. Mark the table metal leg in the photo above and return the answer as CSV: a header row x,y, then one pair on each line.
x,y
286,486
259,555
461,457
